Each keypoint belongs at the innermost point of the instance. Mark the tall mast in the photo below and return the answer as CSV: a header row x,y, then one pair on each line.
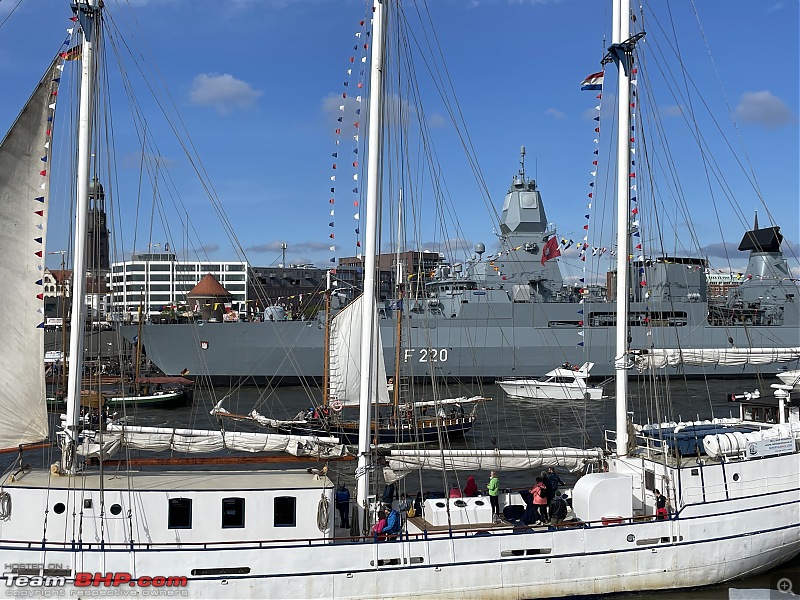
x,y
621,55
399,278
326,356
88,13
368,380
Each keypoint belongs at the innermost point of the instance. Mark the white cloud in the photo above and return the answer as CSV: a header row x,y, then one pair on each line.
x,y
673,110
555,113
762,108
224,92
277,246
437,121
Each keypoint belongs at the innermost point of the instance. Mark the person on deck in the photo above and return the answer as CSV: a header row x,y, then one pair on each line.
x,y
393,523
403,506
418,504
553,481
661,506
558,509
539,493
549,494
388,494
493,489
471,489
455,491
343,505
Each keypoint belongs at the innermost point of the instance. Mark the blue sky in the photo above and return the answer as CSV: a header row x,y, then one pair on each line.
x,y
257,84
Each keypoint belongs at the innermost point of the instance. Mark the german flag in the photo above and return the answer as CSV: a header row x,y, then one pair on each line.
x,y
73,53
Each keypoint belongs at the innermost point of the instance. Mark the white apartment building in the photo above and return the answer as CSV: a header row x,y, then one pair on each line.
x,y
158,280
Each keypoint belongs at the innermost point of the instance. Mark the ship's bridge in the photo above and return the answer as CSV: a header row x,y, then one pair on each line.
x,y
448,287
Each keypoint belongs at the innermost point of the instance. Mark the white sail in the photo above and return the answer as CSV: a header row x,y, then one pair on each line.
x,y
660,358
202,441
345,363
506,460
24,169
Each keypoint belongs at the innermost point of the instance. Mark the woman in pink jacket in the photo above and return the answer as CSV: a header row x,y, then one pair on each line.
x,y
539,493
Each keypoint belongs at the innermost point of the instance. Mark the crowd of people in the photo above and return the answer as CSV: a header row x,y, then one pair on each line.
x,y
544,503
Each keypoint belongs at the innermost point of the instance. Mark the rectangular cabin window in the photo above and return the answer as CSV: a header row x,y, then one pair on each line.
x,y
285,513
180,513
649,479
232,512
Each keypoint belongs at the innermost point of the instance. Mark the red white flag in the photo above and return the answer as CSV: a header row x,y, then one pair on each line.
x,y
550,250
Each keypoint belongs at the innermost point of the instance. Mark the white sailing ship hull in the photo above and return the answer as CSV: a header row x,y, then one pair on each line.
x,y
757,503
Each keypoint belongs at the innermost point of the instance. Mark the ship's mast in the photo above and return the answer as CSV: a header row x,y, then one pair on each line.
x,y
399,278
368,354
88,13
620,52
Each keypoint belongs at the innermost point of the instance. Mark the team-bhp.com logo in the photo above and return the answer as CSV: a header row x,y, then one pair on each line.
x,y
83,580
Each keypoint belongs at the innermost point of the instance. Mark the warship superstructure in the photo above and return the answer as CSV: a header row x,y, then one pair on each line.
x,y
512,315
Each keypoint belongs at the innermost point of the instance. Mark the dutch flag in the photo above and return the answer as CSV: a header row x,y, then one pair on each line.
x,y
593,82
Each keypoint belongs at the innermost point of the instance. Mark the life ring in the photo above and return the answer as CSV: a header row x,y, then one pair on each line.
x,y
337,405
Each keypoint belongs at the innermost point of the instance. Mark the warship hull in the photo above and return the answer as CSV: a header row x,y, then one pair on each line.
x,y
512,314
527,340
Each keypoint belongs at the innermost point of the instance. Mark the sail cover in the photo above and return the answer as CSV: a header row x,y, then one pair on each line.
x,y
658,359
345,356
158,439
402,461
24,177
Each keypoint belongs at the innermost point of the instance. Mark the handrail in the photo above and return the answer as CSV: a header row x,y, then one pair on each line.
x,y
404,536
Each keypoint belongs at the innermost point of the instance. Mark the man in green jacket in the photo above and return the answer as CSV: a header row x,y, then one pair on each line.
x,y
494,495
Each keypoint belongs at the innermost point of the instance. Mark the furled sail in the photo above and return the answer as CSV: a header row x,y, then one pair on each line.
x,y
673,357
450,401
158,439
24,177
345,356
506,460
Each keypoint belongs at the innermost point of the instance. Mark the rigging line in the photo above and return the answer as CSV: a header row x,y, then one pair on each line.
x,y
727,102
704,156
10,12
453,109
182,136
440,182
711,115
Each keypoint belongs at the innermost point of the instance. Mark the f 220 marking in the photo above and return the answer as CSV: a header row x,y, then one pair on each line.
x,y
427,355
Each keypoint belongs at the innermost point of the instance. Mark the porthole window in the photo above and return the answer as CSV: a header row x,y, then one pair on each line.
x,y
115,509
59,508
736,477
285,511
232,512
460,503
180,513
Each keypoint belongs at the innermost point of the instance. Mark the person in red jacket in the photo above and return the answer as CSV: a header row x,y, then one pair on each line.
x,y
471,489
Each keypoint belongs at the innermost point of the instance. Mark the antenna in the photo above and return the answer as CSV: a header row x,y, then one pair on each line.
x,y
522,162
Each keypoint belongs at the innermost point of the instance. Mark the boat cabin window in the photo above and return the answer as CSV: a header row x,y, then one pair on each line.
x,y
232,512
180,513
760,414
285,511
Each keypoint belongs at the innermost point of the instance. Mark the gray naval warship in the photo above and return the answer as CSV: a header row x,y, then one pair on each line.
x,y
512,315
